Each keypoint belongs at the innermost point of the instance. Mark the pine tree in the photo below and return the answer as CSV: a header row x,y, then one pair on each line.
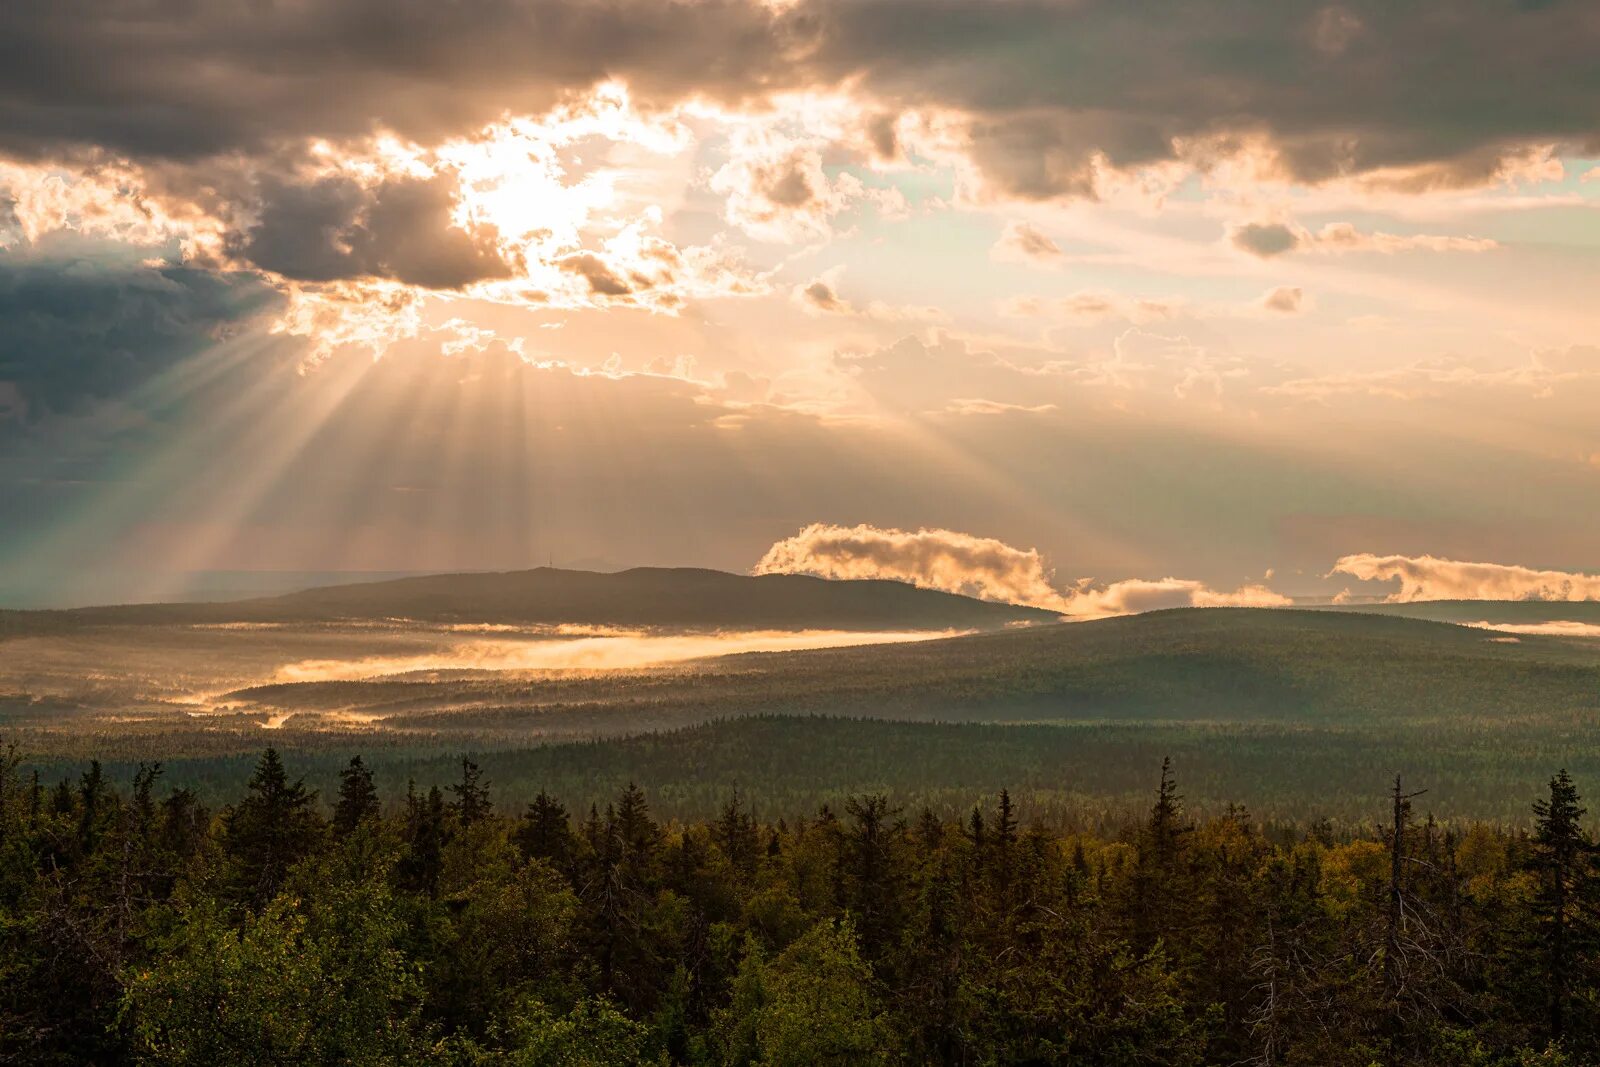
x,y
358,798
269,831
35,801
1563,859
636,833
91,794
8,766
421,867
471,804
1157,895
144,808
735,833
61,799
545,832
183,824
870,879
1003,850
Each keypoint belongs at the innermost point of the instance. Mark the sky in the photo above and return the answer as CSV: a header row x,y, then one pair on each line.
x,y
1088,303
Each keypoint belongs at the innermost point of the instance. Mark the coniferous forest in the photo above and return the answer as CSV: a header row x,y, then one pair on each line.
x,y
451,926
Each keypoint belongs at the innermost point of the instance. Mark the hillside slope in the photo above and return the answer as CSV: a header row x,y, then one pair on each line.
x,y
1507,612
1215,664
645,596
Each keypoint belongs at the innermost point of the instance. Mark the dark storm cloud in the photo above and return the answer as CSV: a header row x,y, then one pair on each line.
x,y
73,331
1338,88
191,78
336,229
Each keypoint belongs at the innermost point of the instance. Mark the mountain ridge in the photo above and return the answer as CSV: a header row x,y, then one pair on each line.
x,y
641,596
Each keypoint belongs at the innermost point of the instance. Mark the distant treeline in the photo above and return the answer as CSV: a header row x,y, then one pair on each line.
x,y
140,924
1068,776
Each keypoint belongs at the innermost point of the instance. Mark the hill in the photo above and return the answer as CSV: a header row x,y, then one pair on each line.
x,y
1212,664
1506,612
642,597
1304,712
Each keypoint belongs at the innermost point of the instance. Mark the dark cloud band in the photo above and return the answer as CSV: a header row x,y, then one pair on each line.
x,y
1338,88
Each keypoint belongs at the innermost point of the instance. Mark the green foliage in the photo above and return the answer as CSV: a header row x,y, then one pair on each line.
x,y
853,935
816,1003
318,977
593,1034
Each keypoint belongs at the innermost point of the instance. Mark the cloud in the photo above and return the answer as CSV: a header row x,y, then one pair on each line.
x,y
1265,239
1431,578
1344,237
90,326
777,190
822,294
602,280
932,559
1024,243
1092,306
1040,88
401,229
1269,239
1287,299
1134,595
1540,376
238,76
967,405
983,567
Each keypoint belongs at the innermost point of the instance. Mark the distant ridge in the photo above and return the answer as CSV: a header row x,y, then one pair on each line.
x,y
643,596
1507,612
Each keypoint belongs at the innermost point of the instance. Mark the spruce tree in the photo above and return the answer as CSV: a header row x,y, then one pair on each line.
x,y
471,805
1157,895
269,831
91,794
358,798
636,832
61,800
1003,850
421,867
545,832
735,833
1563,860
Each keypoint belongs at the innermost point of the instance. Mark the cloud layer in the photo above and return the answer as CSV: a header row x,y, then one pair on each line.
x,y
1431,578
75,329
933,559
1043,86
986,568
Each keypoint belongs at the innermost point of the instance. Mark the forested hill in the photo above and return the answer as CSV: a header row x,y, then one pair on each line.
x,y
645,596
1500,612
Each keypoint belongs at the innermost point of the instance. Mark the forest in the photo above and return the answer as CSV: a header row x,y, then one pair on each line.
x,y
472,925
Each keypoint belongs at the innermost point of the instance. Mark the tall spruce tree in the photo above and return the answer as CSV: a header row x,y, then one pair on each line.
x,y
270,830
545,832
1563,858
1158,889
735,833
425,832
471,805
358,798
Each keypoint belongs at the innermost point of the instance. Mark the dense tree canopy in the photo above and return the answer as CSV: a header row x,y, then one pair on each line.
x,y
137,927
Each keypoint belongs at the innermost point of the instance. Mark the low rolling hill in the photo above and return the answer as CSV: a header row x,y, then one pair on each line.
x,y
1305,713
1498,612
684,598
1212,664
